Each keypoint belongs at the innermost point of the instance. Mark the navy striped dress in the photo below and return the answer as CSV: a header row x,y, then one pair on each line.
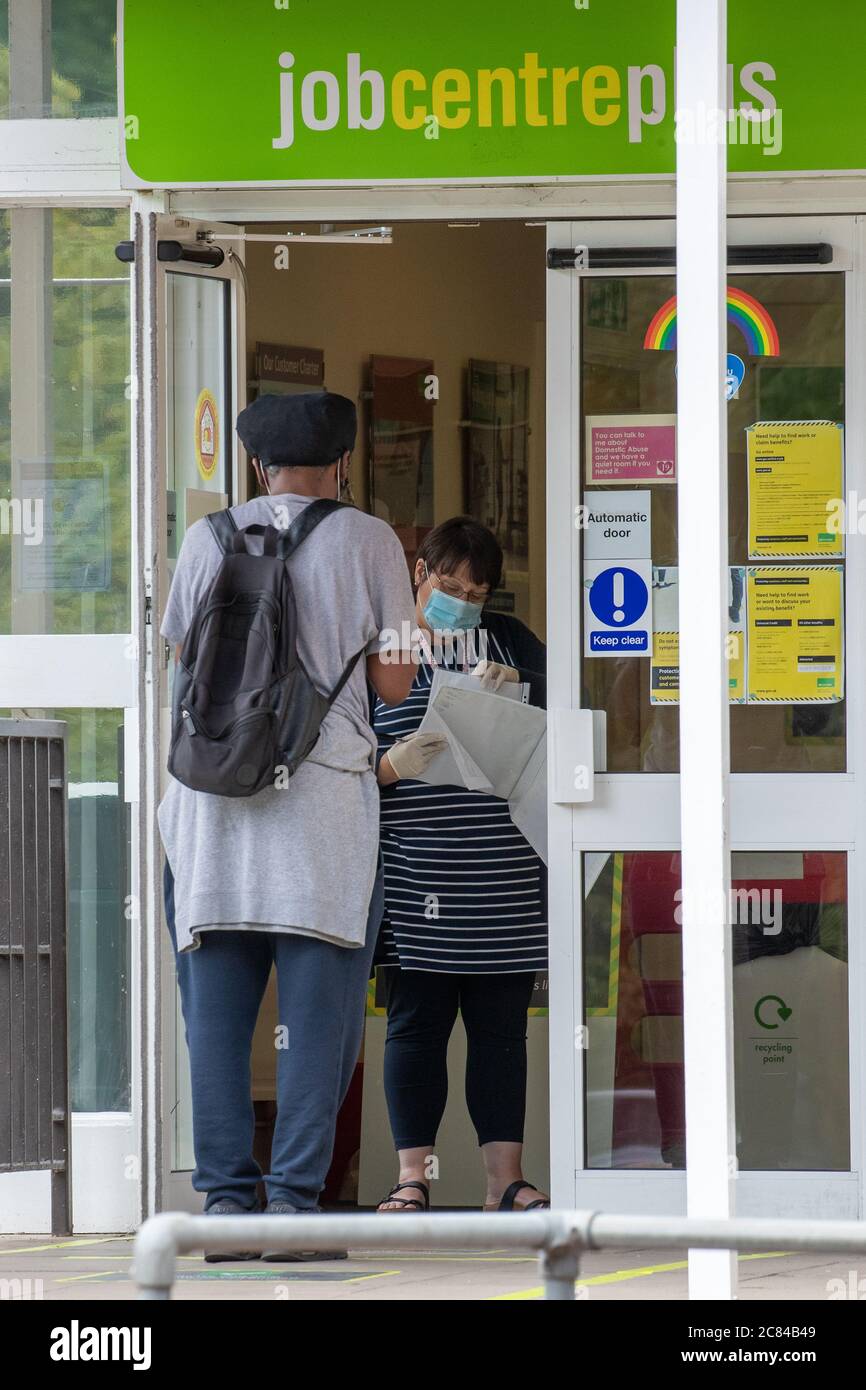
x,y
464,891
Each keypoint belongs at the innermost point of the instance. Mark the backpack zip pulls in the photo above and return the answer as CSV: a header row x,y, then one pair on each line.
x,y
244,703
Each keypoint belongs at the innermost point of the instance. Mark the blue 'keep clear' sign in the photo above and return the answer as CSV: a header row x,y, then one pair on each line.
x,y
619,603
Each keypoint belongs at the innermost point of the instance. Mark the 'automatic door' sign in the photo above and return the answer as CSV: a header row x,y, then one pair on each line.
x,y
617,573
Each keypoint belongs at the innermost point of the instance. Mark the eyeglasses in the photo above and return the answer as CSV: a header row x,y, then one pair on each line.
x,y
455,589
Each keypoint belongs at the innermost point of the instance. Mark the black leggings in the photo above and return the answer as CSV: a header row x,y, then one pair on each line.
x,y
422,1010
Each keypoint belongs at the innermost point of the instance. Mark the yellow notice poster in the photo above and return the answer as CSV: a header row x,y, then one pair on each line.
x,y
665,665
795,647
795,482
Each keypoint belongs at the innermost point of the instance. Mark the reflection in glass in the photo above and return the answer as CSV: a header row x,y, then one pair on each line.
x,y
99,955
4,59
79,57
65,462
98,945
198,410
84,58
790,949
5,407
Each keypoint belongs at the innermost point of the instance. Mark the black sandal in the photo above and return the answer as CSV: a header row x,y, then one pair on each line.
x,y
408,1203
508,1196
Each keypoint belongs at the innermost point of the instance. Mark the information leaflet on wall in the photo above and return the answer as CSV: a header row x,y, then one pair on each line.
x,y
737,639
795,646
627,449
665,668
617,573
795,483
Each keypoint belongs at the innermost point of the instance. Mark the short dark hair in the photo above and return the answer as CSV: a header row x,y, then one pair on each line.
x,y
461,539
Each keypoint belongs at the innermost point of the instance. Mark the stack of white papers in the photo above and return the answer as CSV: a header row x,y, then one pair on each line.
x,y
496,744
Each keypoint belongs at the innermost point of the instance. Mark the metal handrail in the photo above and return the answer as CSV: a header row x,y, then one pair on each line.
x,y
560,1237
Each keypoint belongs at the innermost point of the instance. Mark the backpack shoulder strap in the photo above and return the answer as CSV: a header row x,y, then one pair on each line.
x,y
305,523
353,661
303,526
223,527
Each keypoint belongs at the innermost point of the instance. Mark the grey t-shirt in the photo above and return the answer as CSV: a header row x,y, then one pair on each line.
x,y
300,858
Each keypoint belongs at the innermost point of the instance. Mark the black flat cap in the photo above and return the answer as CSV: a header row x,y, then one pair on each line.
x,y
304,431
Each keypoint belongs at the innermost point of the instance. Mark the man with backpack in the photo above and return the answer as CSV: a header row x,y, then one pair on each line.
x,y
285,606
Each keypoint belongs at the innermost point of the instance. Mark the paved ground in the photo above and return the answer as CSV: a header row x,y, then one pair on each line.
x,y
98,1267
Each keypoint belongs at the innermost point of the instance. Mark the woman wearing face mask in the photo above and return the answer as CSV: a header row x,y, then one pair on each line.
x,y
465,924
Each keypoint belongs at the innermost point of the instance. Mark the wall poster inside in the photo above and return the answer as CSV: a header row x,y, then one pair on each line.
x,y
496,455
401,447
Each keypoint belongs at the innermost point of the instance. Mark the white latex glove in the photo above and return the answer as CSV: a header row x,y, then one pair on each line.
x,y
492,674
411,756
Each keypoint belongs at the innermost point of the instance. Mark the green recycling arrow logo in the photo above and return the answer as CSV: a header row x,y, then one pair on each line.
x,y
783,1011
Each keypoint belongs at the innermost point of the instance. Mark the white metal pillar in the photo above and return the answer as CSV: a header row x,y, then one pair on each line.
x,y
703,559
147,447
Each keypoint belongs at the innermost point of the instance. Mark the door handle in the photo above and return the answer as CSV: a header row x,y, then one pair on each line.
x,y
574,735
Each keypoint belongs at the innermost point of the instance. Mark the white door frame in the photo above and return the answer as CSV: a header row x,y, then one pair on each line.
x,y
161,1188
641,811
48,671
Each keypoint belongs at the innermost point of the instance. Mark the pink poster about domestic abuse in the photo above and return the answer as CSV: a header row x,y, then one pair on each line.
x,y
631,449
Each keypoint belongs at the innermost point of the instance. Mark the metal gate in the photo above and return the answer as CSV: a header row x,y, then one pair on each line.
x,y
34,1080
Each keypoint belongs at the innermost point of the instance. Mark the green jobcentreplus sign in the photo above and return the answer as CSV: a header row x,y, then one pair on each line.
x,y
279,92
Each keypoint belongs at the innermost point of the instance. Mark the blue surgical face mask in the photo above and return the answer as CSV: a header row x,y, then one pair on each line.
x,y
444,613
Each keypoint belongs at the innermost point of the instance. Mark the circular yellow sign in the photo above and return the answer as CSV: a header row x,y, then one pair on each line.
x,y
207,434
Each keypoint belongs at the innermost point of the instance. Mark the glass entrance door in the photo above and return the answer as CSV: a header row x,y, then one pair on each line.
x,y
199,387
794,432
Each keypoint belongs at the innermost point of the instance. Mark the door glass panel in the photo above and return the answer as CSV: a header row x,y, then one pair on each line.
x,y
198,470
98,947
197,404
628,384
99,925
790,949
622,383
804,382
65,432
4,58
5,417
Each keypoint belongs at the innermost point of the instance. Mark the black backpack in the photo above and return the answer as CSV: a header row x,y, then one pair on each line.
x,y
244,705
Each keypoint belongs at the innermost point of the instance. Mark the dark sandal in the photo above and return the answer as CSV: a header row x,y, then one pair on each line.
x,y
408,1203
508,1196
